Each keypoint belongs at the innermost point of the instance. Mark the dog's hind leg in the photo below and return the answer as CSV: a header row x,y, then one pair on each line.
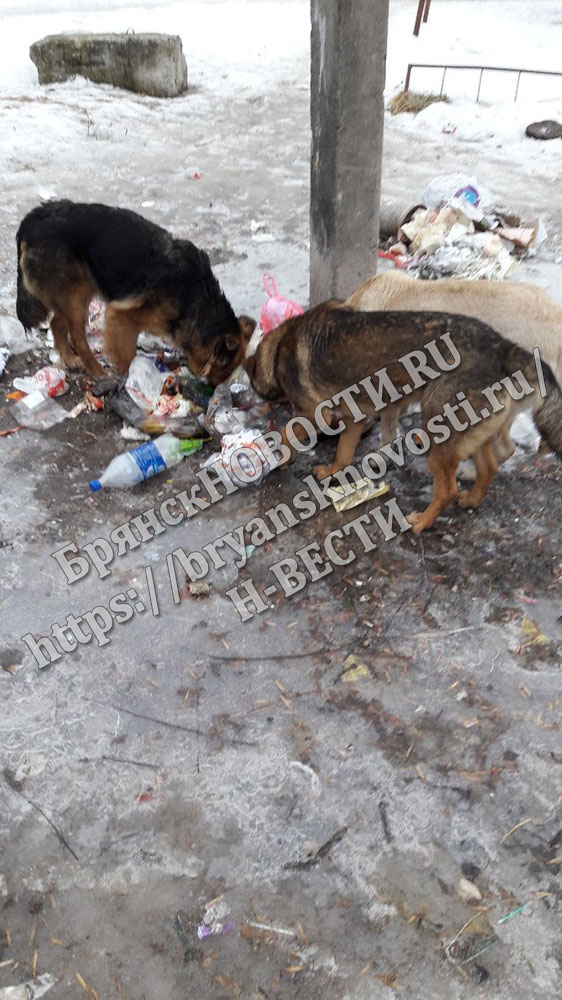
x,y
122,328
486,468
502,445
347,445
443,468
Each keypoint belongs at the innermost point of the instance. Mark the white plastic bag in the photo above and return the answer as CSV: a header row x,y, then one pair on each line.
x,y
144,382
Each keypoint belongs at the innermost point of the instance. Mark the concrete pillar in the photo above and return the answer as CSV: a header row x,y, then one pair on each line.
x,y
347,83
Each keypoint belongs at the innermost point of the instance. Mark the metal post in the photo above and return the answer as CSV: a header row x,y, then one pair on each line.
x,y
407,83
421,5
426,11
479,85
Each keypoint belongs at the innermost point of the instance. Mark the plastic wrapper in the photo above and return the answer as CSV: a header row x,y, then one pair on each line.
x,y
145,382
4,356
235,407
360,492
243,469
14,337
463,190
276,309
31,990
176,406
50,381
152,423
39,412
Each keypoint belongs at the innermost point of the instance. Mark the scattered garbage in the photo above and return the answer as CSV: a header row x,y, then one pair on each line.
x,y
148,460
151,423
460,229
14,337
39,412
31,990
80,407
4,356
354,669
160,396
547,129
468,891
214,919
198,588
130,433
51,381
145,382
243,469
203,931
277,308
235,406
356,493
458,189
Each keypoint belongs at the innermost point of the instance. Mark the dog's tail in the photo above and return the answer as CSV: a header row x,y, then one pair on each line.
x,y
30,310
547,401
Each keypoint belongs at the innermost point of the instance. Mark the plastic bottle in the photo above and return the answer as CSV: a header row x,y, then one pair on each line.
x,y
148,460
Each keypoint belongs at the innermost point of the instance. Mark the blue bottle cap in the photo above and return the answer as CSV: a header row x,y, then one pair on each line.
x,y
95,485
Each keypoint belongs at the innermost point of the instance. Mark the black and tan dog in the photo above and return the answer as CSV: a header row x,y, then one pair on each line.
x,y
68,252
316,356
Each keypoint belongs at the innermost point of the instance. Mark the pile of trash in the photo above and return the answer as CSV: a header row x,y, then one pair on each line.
x,y
159,398
459,229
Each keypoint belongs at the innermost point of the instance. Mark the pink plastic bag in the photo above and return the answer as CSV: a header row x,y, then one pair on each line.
x,y
276,309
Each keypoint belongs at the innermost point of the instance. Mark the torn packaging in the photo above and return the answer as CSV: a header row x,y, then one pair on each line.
x,y
69,252
336,354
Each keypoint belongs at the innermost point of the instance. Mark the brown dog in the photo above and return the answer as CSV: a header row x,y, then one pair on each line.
x,y
522,313
319,355
69,252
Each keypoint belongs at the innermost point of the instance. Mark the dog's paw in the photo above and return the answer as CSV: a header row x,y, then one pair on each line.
x,y
323,472
418,521
71,362
466,499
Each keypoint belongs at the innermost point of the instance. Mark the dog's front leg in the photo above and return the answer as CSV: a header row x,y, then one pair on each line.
x,y
347,444
300,433
443,467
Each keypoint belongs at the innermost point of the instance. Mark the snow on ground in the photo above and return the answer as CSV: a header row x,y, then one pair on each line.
x,y
244,125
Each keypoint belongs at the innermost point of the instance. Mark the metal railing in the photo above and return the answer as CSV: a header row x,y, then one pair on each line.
x,y
483,69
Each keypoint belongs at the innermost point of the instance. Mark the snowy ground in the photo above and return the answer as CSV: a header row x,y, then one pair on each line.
x,y
430,761
244,125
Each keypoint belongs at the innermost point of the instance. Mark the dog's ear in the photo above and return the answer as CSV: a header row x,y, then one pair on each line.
x,y
249,364
247,326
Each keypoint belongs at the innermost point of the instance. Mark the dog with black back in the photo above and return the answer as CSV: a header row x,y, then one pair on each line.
x,y
68,252
321,354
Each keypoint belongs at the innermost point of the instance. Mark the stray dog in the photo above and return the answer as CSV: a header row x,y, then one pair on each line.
x,y
520,312
69,252
316,356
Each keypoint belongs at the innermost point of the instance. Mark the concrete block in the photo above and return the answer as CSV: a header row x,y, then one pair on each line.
x,y
149,64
